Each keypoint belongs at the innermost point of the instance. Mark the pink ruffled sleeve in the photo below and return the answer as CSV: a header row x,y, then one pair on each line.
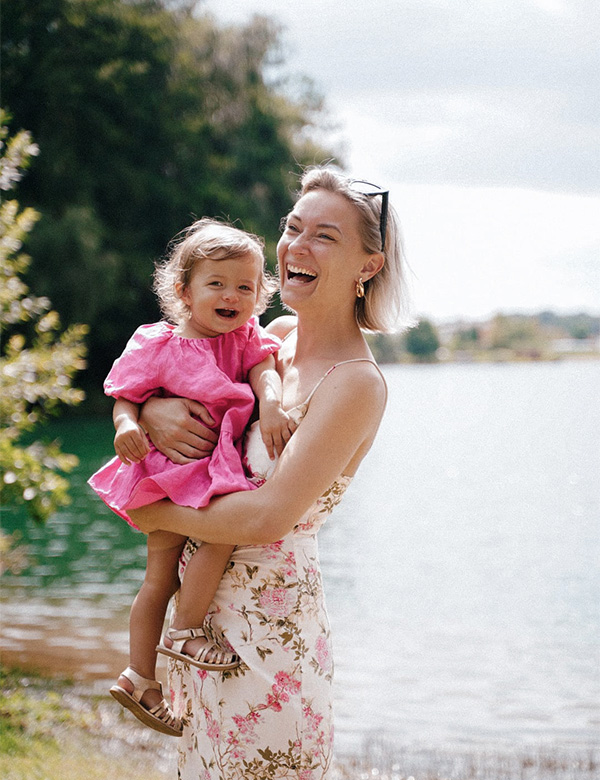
x,y
259,345
134,375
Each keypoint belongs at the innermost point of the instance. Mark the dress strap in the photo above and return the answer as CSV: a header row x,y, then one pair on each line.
x,y
305,403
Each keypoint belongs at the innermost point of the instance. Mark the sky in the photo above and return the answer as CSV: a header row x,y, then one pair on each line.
x,y
482,117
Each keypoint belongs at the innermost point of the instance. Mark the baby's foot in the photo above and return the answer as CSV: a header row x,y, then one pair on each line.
x,y
150,698
192,644
193,647
143,697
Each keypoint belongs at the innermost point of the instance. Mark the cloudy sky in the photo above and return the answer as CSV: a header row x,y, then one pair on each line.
x,y
483,119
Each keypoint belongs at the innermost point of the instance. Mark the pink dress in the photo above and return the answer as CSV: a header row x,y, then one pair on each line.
x,y
213,371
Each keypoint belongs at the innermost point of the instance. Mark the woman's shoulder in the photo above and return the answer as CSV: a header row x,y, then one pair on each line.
x,y
355,381
282,326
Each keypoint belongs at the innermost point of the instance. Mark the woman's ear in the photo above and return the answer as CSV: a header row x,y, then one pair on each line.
x,y
373,266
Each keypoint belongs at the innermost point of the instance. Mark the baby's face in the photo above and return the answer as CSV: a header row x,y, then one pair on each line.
x,y
221,295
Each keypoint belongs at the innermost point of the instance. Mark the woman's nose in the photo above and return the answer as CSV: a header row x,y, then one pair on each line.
x,y
298,245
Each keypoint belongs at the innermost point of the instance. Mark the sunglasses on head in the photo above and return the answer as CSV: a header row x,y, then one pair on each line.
x,y
370,190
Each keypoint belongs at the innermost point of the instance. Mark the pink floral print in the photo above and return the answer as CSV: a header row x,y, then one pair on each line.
x,y
272,716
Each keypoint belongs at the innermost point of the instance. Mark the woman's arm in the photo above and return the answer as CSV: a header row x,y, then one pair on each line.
x,y
341,422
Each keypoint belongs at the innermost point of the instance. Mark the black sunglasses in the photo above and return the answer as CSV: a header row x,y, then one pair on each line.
x,y
370,190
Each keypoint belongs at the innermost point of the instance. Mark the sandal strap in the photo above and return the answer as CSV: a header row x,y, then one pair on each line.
x,y
218,655
140,684
179,636
163,712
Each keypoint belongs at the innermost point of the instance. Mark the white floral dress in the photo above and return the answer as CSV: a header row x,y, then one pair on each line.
x,y
272,716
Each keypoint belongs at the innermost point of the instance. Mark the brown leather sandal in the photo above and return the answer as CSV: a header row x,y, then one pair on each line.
x,y
160,717
222,660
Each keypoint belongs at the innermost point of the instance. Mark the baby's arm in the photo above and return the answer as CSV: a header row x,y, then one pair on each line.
x,y
276,426
131,444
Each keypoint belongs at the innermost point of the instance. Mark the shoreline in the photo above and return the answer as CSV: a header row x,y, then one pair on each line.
x,y
69,731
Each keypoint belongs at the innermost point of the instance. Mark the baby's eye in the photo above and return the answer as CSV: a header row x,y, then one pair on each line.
x,y
246,288
215,284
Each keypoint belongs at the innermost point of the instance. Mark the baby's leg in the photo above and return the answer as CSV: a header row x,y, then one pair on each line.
x,y
200,582
150,605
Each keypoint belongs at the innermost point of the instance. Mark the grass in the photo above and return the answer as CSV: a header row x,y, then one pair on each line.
x,y
56,730
49,731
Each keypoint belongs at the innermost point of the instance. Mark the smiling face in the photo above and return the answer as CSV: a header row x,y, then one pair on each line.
x,y
320,253
221,295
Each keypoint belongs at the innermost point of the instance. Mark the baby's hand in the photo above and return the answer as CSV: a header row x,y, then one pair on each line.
x,y
131,444
276,428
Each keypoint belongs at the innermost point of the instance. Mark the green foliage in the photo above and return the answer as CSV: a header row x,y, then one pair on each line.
x,y
519,333
25,719
422,341
38,362
149,114
386,347
466,338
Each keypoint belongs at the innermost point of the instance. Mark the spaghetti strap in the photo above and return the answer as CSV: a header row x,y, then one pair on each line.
x,y
305,403
300,409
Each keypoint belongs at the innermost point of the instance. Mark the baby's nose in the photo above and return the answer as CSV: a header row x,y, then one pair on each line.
x,y
230,294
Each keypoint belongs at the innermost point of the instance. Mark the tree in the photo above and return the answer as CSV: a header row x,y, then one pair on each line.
x,y
422,341
38,362
517,332
149,114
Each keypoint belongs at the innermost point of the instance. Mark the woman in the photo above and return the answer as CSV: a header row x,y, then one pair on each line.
x,y
341,270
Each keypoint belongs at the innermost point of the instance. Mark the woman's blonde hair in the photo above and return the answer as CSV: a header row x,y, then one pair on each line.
x,y
206,239
386,306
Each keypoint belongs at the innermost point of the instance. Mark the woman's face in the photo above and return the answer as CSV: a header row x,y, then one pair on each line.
x,y
320,253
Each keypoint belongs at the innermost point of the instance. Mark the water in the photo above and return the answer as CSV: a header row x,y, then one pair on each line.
x,y
460,570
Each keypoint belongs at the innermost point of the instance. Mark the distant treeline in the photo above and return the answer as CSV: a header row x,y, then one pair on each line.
x,y
545,335
148,114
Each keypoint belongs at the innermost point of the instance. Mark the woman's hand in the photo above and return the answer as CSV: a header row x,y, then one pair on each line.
x,y
174,430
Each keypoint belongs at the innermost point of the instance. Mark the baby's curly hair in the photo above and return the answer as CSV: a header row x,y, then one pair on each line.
x,y
206,239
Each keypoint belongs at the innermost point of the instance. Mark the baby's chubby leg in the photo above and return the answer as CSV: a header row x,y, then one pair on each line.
x,y
150,605
200,582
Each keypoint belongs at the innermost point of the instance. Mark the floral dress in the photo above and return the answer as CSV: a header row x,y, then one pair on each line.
x,y
272,716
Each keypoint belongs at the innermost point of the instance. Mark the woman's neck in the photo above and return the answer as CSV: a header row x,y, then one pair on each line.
x,y
329,339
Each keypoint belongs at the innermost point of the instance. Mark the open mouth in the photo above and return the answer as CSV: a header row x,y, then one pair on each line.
x,y
297,273
228,314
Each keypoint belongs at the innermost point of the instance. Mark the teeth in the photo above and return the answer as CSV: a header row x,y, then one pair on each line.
x,y
296,269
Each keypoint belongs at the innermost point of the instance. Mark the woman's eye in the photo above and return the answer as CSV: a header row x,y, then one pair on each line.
x,y
325,235
292,228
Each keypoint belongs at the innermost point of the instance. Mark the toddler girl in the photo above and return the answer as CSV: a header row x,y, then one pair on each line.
x,y
212,351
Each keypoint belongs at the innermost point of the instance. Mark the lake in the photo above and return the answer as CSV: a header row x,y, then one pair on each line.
x,y
460,569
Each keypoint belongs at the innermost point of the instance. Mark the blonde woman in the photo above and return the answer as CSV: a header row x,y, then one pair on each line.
x,y
341,272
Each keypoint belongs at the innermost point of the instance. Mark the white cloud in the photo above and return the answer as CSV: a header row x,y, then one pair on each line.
x,y
496,92
484,118
477,250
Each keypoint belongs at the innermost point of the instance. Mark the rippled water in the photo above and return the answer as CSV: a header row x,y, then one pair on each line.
x,y
461,568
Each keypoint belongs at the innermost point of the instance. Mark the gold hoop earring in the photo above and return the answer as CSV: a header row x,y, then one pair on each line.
x,y
360,289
